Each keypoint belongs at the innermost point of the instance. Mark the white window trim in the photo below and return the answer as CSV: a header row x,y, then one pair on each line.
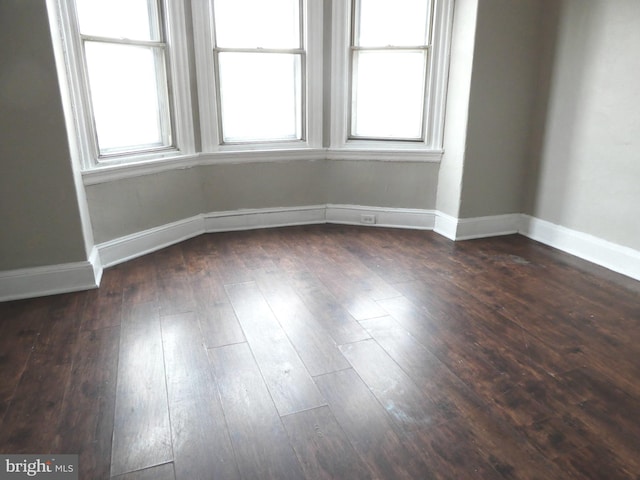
x,y
77,94
341,147
211,151
207,98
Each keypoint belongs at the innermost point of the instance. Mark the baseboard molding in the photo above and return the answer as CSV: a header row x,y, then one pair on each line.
x,y
250,219
126,248
51,280
479,227
135,245
607,254
416,219
446,225
494,226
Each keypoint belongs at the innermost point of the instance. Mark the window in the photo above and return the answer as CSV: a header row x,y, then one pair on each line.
x,y
128,99
389,59
259,66
259,71
259,62
125,64
389,69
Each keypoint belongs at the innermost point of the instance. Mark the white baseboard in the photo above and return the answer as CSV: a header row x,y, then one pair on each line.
x,y
478,227
131,246
416,219
40,281
615,257
135,245
607,254
51,280
481,227
446,225
250,219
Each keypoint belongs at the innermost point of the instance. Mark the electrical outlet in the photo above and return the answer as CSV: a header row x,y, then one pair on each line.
x,y
368,218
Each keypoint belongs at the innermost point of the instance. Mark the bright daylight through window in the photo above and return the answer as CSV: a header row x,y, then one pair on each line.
x,y
389,61
259,68
125,66
259,59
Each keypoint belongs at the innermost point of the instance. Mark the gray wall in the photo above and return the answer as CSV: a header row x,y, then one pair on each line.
x,y
40,215
124,207
587,174
505,72
449,190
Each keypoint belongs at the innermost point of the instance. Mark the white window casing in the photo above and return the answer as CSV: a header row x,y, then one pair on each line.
x,y
344,145
173,78
208,93
182,151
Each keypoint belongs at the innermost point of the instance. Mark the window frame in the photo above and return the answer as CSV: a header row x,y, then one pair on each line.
x,y
176,80
191,65
342,143
208,85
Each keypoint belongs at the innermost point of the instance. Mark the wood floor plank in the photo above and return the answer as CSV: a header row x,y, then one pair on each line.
x,y
335,279
259,439
405,403
490,438
358,274
33,411
201,444
449,343
322,447
327,310
370,429
59,333
103,307
86,420
315,346
160,472
284,372
219,325
140,283
19,328
31,418
174,285
521,359
142,435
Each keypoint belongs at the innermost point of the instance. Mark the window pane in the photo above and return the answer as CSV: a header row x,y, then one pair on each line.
x,y
388,94
260,96
398,23
257,23
132,19
130,105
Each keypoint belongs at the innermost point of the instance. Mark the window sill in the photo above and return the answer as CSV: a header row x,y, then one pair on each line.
x,y
384,155
109,173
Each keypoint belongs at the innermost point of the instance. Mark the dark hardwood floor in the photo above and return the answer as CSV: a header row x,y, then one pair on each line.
x,y
332,352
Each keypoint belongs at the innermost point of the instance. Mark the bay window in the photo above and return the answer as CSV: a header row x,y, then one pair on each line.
x,y
258,68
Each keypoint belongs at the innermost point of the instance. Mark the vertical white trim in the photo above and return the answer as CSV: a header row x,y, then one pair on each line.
x,y
202,16
315,65
178,53
341,21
